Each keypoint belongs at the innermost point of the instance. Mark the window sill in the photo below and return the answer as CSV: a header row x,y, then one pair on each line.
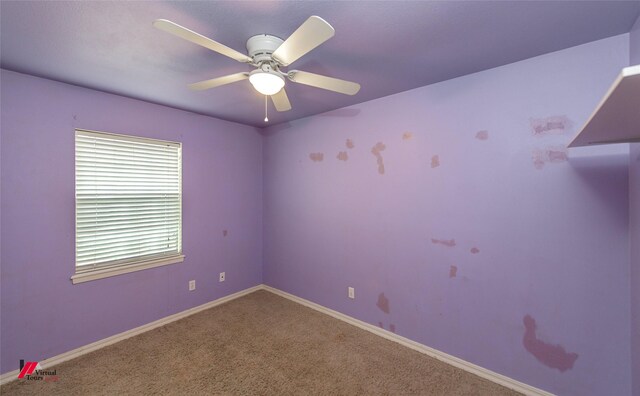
x,y
114,271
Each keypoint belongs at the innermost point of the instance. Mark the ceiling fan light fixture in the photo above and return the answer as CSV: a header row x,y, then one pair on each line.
x,y
266,82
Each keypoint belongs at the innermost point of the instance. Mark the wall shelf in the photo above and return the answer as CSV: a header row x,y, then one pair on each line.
x,y
617,117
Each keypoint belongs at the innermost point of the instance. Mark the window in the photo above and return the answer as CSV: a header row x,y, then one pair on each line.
x,y
128,204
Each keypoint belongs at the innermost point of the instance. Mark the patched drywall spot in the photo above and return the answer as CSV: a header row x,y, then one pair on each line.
x,y
453,271
553,125
444,242
349,144
379,147
557,155
474,250
435,161
538,162
383,303
316,157
550,355
407,136
482,135
342,156
392,327
553,155
225,233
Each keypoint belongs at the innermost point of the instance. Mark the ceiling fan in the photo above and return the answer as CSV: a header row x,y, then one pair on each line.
x,y
269,54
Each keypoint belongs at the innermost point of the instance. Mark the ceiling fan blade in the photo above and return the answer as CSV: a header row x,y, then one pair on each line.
x,y
199,39
216,82
324,82
281,101
313,32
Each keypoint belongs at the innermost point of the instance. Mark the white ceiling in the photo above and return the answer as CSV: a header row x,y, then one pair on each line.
x,y
386,46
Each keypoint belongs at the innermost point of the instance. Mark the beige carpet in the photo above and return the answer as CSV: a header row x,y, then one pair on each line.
x,y
260,344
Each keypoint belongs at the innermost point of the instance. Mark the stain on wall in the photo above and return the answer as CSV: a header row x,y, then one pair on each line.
x,y
379,147
554,356
435,161
392,327
553,125
349,144
482,135
407,136
474,250
557,155
444,242
553,155
383,303
225,233
316,157
453,271
342,156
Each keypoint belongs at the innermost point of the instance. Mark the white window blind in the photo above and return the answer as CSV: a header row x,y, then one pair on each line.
x,y
128,200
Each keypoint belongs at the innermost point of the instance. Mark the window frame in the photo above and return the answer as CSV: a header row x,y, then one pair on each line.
x,y
127,265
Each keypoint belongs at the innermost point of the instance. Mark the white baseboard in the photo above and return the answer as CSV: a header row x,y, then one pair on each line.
x,y
446,358
55,360
434,353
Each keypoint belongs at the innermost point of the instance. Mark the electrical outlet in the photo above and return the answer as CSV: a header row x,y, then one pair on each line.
x,y
222,277
192,285
352,292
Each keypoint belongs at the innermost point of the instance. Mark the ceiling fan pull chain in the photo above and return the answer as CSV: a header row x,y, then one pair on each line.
x,y
266,119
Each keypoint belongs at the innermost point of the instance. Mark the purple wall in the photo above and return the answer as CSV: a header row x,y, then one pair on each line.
x,y
463,223
634,236
634,43
634,228
43,314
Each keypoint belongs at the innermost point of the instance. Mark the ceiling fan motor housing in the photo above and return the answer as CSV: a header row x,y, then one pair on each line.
x,y
261,46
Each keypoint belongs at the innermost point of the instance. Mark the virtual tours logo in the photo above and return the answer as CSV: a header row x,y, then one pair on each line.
x,y
32,371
